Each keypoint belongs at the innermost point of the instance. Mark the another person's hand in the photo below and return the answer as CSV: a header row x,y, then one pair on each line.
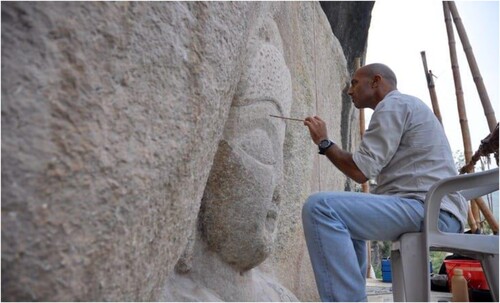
x,y
317,128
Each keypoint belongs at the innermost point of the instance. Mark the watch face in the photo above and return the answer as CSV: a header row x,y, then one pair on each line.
x,y
324,143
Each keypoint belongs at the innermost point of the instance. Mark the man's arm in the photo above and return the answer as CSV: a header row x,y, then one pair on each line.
x,y
343,161
340,158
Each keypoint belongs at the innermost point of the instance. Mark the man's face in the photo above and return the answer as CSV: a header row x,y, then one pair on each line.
x,y
361,90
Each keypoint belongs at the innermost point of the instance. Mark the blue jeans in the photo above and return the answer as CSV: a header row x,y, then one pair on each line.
x,y
336,225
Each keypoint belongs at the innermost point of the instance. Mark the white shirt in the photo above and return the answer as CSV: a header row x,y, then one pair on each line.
x,y
406,150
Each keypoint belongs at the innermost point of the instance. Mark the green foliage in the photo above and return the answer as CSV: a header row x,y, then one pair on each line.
x,y
459,158
378,271
437,258
486,230
385,249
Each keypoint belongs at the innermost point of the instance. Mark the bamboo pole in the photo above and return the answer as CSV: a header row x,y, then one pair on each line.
x,y
478,204
471,221
464,125
432,90
488,145
476,74
364,186
488,215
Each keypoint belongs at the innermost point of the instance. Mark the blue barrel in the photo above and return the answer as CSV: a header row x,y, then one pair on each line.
x,y
386,270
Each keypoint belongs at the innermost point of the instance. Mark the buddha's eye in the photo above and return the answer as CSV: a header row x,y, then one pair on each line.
x,y
258,145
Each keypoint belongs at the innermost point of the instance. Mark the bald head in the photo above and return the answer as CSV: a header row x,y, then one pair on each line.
x,y
370,84
383,70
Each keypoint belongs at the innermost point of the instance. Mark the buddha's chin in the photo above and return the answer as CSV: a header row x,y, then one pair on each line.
x,y
258,251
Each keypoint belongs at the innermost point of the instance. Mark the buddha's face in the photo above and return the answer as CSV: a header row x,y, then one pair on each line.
x,y
240,203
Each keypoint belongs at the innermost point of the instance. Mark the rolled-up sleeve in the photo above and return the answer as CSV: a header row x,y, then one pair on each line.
x,y
380,141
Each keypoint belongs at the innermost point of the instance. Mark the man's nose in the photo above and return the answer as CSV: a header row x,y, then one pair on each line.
x,y
349,92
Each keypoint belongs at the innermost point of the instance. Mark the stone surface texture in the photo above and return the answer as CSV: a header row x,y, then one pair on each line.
x,y
350,21
125,127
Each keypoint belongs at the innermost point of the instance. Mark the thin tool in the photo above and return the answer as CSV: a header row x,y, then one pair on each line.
x,y
301,120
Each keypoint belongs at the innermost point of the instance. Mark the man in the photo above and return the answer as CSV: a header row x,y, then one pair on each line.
x,y
406,150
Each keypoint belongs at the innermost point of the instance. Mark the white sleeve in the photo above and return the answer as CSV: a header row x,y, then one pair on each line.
x,y
380,141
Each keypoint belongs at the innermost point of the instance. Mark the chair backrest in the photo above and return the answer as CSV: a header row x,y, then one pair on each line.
x,y
469,185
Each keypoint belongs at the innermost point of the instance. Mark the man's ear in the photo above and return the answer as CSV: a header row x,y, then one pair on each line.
x,y
376,81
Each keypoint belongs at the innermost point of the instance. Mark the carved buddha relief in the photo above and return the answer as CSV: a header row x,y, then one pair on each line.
x,y
241,199
239,208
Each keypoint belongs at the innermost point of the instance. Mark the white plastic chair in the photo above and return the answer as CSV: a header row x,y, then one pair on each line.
x,y
410,254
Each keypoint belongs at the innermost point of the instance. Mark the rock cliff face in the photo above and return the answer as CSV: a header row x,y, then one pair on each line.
x,y
350,21
139,161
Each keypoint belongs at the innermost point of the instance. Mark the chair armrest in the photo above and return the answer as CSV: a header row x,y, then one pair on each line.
x,y
477,192
469,185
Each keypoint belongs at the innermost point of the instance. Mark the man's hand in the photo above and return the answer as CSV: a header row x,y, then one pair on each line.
x,y
317,128
340,158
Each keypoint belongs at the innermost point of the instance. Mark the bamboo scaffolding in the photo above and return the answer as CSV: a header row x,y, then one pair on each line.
x,y
470,220
364,186
478,80
488,215
464,125
488,145
432,90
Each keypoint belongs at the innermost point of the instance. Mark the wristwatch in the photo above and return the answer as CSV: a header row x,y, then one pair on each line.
x,y
324,145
